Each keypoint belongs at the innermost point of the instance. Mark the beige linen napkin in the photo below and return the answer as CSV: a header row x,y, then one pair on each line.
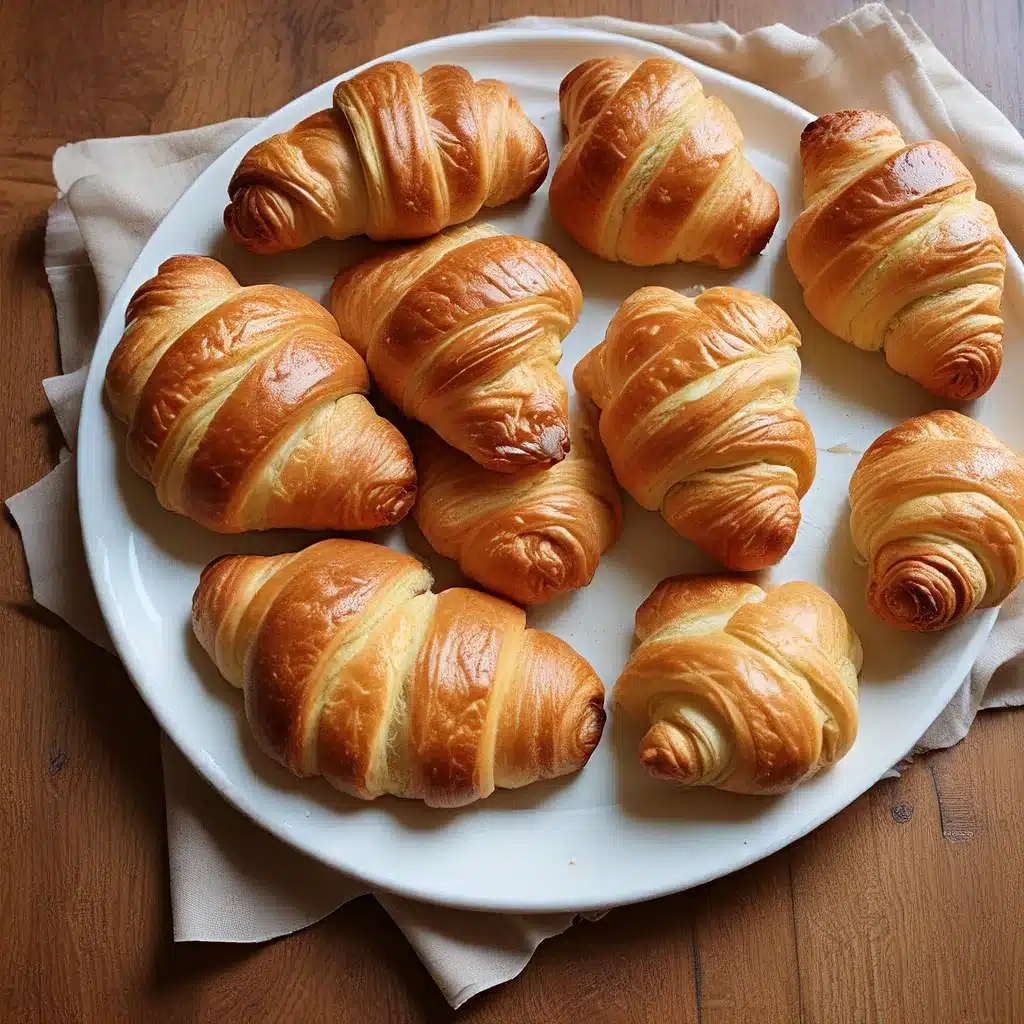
x,y
231,881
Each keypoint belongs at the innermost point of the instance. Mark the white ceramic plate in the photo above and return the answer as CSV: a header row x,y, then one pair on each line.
x,y
609,835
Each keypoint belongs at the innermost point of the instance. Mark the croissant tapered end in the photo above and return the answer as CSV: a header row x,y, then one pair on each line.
x,y
551,725
298,186
746,528
518,153
670,753
923,594
259,218
960,362
827,141
226,588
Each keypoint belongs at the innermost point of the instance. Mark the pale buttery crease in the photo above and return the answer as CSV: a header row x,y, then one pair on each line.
x,y
247,409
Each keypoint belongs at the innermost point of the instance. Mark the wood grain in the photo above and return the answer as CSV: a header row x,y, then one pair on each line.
x,y
906,907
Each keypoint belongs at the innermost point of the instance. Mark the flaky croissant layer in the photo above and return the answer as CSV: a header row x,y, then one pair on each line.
x,y
699,421
895,252
400,155
937,512
653,170
743,690
247,411
352,669
463,332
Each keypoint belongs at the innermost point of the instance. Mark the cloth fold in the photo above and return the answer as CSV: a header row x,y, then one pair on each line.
x,y
230,881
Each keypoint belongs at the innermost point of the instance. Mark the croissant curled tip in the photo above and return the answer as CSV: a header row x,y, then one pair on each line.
x,y
591,726
921,596
969,374
546,449
577,72
250,222
394,500
667,753
211,567
849,123
768,545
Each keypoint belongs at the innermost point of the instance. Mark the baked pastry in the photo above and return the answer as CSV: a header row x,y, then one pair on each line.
x,y
528,536
743,690
937,512
247,411
463,333
400,155
653,170
895,252
697,417
354,670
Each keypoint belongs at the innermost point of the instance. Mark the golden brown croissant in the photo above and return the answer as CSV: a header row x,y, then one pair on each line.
x,y
746,691
653,170
528,536
698,417
895,252
353,670
937,509
247,411
463,333
400,155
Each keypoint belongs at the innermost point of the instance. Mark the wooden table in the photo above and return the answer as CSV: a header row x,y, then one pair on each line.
x,y
906,907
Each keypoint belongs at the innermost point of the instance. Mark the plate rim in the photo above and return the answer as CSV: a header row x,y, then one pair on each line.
x,y
237,796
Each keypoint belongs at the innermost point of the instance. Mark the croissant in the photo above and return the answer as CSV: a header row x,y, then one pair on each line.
x,y
697,416
895,252
937,512
745,691
354,670
653,170
400,155
528,536
463,333
247,411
